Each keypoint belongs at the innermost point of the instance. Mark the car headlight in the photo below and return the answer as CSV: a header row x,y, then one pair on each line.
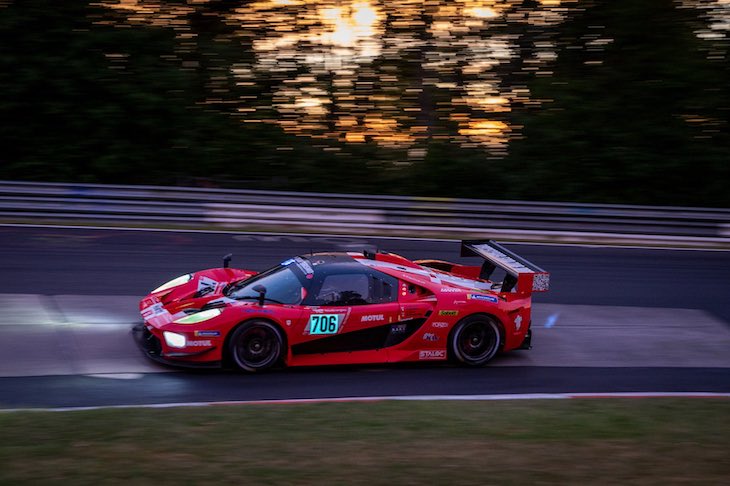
x,y
198,317
174,340
183,279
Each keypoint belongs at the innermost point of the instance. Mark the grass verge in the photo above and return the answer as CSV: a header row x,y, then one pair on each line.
x,y
640,441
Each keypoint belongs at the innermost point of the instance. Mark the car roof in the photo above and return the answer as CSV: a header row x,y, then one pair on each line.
x,y
327,263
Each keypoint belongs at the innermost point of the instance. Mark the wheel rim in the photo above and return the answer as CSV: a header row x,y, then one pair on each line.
x,y
257,347
477,341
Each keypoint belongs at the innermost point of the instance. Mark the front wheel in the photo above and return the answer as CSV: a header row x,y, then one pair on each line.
x,y
475,340
256,346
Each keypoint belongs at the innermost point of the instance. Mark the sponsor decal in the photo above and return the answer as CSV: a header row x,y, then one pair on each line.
x,y
154,311
324,323
518,323
373,318
207,333
206,285
450,289
439,325
540,282
150,301
488,298
448,312
498,255
398,328
429,336
304,266
258,311
198,343
317,262
432,354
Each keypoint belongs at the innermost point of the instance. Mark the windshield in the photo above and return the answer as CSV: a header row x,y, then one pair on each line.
x,y
282,287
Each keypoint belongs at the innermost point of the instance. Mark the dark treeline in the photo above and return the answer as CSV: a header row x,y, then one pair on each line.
x,y
641,118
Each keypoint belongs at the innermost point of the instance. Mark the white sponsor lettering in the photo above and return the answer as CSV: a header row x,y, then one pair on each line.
x,y
429,336
439,325
518,323
206,285
398,328
378,317
503,259
154,311
432,354
201,342
450,289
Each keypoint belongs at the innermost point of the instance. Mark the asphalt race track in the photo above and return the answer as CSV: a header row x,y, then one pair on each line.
x,y
615,320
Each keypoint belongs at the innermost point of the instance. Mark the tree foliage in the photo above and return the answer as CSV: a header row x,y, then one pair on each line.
x,y
636,111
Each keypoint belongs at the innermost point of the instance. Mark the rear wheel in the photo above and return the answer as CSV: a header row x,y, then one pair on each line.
x,y
256,346
475,340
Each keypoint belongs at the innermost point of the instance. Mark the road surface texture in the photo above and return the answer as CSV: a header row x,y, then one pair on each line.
x,y
615,320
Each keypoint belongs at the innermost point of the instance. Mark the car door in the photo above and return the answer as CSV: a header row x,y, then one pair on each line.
x,y
348,312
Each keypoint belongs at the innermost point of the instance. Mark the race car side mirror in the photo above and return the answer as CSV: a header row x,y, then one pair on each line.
x,y
227,260
262,293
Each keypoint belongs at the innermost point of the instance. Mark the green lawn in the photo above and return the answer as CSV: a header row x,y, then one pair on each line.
x,y
637,441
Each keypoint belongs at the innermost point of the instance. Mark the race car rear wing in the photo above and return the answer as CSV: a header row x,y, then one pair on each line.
x,y
520,272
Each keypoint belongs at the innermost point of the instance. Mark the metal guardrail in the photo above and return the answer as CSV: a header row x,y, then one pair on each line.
x,y
351,213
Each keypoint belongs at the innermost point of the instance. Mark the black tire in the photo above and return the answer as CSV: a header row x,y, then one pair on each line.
x,y
475,340
256,346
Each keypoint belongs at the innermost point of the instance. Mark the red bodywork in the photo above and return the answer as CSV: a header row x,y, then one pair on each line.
x,y
432,297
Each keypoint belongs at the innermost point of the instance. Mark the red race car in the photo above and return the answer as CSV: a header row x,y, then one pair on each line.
x,y
345,308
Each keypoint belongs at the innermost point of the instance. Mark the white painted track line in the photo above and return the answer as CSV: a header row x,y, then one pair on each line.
x,y
481,398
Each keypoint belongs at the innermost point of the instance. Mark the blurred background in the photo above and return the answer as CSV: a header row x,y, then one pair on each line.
x,y
619,101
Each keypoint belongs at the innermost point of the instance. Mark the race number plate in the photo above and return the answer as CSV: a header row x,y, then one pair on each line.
x,y
324,323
